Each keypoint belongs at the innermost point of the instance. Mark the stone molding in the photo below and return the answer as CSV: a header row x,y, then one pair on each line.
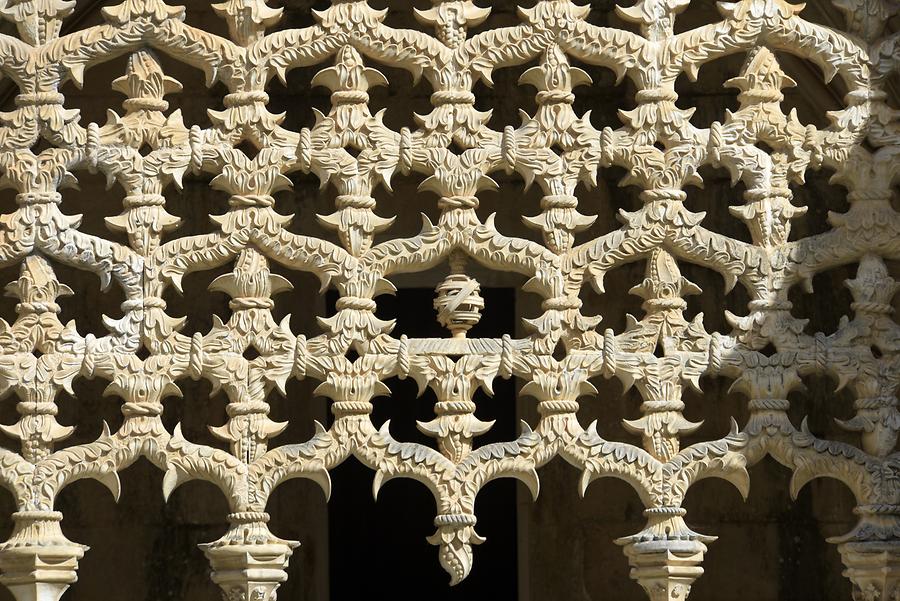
x,y
146,148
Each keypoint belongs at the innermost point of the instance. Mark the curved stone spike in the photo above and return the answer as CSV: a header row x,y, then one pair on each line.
x,y
323,479
112,482
531,480
171,480
378,481
740,479
587,476
800,478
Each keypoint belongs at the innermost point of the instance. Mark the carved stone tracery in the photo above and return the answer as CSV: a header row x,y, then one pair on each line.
x,y
147,351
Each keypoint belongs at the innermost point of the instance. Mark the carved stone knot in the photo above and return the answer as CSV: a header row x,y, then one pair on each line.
x,y
195,360
247,408
546,97
610,351
861,96
154,302
715,143
877,509
442,97
354,201
458,202
133,201
561,303
769,404
142,409
146,303
404,151
248,517
345,408
768,193
770,305
454,407
251,200
665,511
664,304
38,198
455,519
663,195
872,307
245,98
876,402
876,196
509,148
356,303
558,407
243,303
656,95
36,408
559,201
661,406
339,97
145,104
403,362
39,99
25,308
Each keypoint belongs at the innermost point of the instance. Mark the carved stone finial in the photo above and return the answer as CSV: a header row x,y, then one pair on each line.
x,y
458,301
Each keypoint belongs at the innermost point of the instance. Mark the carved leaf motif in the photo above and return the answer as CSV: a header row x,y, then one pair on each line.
x,y
250,154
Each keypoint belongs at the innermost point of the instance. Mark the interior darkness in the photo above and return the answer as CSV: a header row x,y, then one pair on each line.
x,y
369,539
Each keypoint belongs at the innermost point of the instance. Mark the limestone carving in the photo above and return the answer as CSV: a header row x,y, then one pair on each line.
x,y
147,351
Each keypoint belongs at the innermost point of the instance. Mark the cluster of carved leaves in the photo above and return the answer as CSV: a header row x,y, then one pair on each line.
x,y
148,149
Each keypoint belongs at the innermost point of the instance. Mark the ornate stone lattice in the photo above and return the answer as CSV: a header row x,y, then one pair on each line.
x,y
148,148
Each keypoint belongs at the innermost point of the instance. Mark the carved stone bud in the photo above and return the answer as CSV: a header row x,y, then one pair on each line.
x,y
451,19
37,287
664,288
251,284
761,79
455,536
873,287
247,19
145,84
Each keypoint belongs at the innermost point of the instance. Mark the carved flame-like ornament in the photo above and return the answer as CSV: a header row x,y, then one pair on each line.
x,y
148,149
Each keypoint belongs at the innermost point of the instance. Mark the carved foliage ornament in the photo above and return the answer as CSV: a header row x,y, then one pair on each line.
x,y
147,351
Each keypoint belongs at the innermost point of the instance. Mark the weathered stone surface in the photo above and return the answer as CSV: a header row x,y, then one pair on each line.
x,y
770,241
